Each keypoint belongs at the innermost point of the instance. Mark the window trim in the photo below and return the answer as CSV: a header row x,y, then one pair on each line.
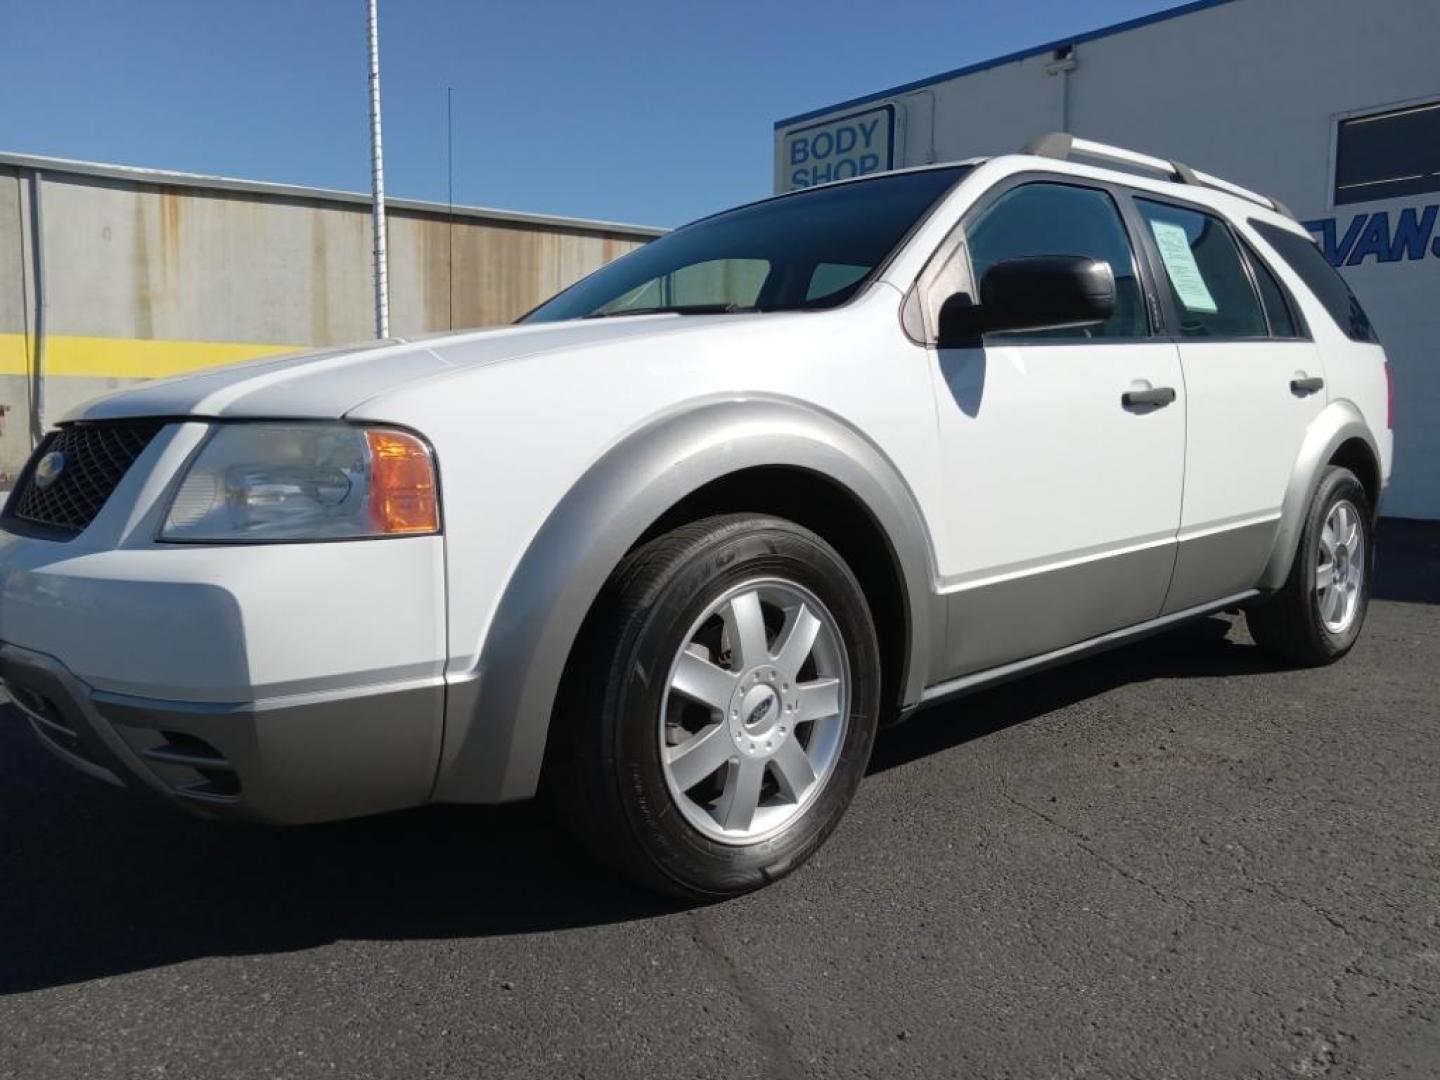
x,y
1167,295
1297,317
956,238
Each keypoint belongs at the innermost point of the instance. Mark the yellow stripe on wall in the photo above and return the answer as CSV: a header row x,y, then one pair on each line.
x,y
126,358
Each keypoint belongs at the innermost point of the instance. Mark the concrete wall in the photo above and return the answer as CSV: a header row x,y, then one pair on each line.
x,y
1249,90
151,274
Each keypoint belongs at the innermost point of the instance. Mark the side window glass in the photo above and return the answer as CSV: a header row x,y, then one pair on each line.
x,y
1061,219
1277,307
1204,272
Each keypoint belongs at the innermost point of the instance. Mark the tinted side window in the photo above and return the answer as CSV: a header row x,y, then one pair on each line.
x,y
1272,295
1205,273
1320,278
1059,219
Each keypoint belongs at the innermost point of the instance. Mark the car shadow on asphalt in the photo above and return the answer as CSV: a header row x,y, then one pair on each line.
x,y
1407,571
1208,647
95,882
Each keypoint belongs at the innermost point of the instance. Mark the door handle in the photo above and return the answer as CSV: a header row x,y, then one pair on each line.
x,y
1307,385
1159,397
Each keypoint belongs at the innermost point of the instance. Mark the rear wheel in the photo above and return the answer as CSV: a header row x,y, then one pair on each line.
x,y
723,707
1316,617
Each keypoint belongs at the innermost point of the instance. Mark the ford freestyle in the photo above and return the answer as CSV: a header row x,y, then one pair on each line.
x,y
672,547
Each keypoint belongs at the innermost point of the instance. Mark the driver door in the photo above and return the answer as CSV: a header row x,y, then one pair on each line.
x,y
1062,499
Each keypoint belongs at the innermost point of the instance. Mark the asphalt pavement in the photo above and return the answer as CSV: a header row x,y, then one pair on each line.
x,y
1173,860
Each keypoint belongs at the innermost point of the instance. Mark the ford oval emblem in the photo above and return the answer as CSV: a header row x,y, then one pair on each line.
x,y
761,711
49,468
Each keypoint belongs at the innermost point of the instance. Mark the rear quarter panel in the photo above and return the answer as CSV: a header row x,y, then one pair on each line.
x,y
1354,371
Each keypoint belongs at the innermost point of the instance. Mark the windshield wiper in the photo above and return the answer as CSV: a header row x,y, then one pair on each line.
x,y
673,309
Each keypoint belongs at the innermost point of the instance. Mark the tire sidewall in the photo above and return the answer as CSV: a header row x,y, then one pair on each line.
x,y
639,683
1337,484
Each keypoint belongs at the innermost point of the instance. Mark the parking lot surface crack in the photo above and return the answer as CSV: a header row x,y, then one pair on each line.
x,y
1329,916
1083,843
781,1062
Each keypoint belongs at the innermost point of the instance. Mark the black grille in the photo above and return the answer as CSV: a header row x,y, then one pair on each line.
x,y
97,456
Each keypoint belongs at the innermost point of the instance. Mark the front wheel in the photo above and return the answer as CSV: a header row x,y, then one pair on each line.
x,y
1316,616
722,707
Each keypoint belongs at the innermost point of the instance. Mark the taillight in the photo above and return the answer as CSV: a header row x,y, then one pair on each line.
x,y
1389,397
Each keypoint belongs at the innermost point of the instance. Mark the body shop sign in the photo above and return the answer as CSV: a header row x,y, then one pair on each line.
x,y
838,149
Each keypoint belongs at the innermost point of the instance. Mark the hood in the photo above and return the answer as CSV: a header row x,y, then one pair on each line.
x,y
328,383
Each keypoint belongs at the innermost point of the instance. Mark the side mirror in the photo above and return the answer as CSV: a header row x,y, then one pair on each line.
x,y
1043,292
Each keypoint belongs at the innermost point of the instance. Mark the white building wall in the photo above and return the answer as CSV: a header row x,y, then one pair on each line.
x,y
1249,90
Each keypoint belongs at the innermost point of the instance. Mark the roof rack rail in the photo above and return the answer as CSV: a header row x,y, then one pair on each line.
x,y
1064,146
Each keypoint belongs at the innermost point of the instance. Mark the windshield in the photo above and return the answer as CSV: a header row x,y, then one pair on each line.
x,y
811,250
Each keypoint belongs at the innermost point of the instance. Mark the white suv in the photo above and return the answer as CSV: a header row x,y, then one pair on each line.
x,y
674,545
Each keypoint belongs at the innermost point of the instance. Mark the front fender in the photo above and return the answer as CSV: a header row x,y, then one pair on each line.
x,y
1338,423
497,721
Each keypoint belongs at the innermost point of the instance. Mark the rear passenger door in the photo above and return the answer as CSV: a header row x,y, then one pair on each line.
x,y
1062,495
1253,383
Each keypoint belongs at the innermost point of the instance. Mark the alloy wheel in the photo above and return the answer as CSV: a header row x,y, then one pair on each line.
x,y
755,711
1340,568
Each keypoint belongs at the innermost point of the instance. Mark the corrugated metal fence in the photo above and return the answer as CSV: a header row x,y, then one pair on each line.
x,y
143,274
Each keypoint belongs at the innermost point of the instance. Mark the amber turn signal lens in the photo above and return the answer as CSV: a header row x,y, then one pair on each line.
x,y
402,484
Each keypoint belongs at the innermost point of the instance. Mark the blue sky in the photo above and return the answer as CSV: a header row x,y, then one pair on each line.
x,y
635,111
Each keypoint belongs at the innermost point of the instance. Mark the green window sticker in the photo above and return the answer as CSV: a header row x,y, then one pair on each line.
x,y
1181,266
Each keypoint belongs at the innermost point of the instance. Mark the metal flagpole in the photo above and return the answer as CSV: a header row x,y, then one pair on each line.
x,y
450,200
377,186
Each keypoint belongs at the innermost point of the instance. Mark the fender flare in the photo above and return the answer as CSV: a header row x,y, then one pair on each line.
x,y
1337,424
497,720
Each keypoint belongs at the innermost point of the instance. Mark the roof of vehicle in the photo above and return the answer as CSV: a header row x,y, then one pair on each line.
x,y
935,166
1062,152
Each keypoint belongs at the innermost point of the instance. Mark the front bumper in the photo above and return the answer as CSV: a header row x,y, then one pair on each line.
x,y
274,682
311,758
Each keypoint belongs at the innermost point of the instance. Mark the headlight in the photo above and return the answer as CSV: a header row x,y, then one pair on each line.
x,y
269,482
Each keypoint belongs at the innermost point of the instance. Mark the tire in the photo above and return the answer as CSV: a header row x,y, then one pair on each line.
x,y
673,639
1303,623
